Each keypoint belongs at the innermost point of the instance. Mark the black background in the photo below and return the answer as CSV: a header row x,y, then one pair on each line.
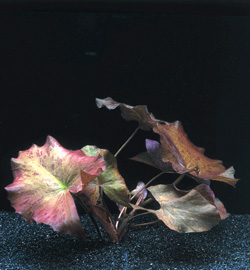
x,y
188,67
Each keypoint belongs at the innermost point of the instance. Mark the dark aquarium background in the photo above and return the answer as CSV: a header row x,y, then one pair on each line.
x,y
189,67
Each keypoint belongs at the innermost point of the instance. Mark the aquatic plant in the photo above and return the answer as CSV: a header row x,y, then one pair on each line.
x,y
49,180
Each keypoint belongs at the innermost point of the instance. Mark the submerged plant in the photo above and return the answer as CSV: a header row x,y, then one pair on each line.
x,y
49,180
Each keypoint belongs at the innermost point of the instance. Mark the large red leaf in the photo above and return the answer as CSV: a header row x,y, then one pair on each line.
x,y
187,157
44,178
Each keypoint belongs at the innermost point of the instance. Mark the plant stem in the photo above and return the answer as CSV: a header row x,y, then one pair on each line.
x,y
149,182
86,210
127,141
178,180
142,214
120,214
144,224
124,223
146,202
125,208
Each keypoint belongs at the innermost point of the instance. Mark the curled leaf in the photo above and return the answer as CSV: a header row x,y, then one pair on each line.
x,y
153,157
187,157
44,177
184,211
137,113
221,208
208,194
143,193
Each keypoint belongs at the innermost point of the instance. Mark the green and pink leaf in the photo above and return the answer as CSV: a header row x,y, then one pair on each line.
x,y
44,177
110,181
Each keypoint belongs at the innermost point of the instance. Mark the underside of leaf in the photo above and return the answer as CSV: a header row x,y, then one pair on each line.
x,y
153,157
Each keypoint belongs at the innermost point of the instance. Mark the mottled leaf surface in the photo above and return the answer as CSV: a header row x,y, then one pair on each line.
x,y
184,211
187,157
44,177
137,113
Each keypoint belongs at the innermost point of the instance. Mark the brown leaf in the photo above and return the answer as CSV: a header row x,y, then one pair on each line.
x,y
106,220
101,212
138,113
177,150
187,157
208,194
220,207
184,211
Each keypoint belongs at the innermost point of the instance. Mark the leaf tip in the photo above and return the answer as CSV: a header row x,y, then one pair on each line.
x,y
108,102
228,175
51,141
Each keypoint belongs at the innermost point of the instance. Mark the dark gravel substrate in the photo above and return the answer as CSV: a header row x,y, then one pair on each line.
x,y
37,246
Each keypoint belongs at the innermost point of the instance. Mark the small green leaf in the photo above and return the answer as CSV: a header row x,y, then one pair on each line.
x,y
110,181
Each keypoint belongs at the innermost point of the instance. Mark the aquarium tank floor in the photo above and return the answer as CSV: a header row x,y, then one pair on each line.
x,y
37,246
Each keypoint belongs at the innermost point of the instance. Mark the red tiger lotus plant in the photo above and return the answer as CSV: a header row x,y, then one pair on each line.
x,y
49,180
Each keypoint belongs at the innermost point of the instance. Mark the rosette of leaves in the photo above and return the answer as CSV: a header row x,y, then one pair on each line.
x,y
49,179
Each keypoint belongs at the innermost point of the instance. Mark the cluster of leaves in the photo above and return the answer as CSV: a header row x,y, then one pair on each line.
x,y
48,180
